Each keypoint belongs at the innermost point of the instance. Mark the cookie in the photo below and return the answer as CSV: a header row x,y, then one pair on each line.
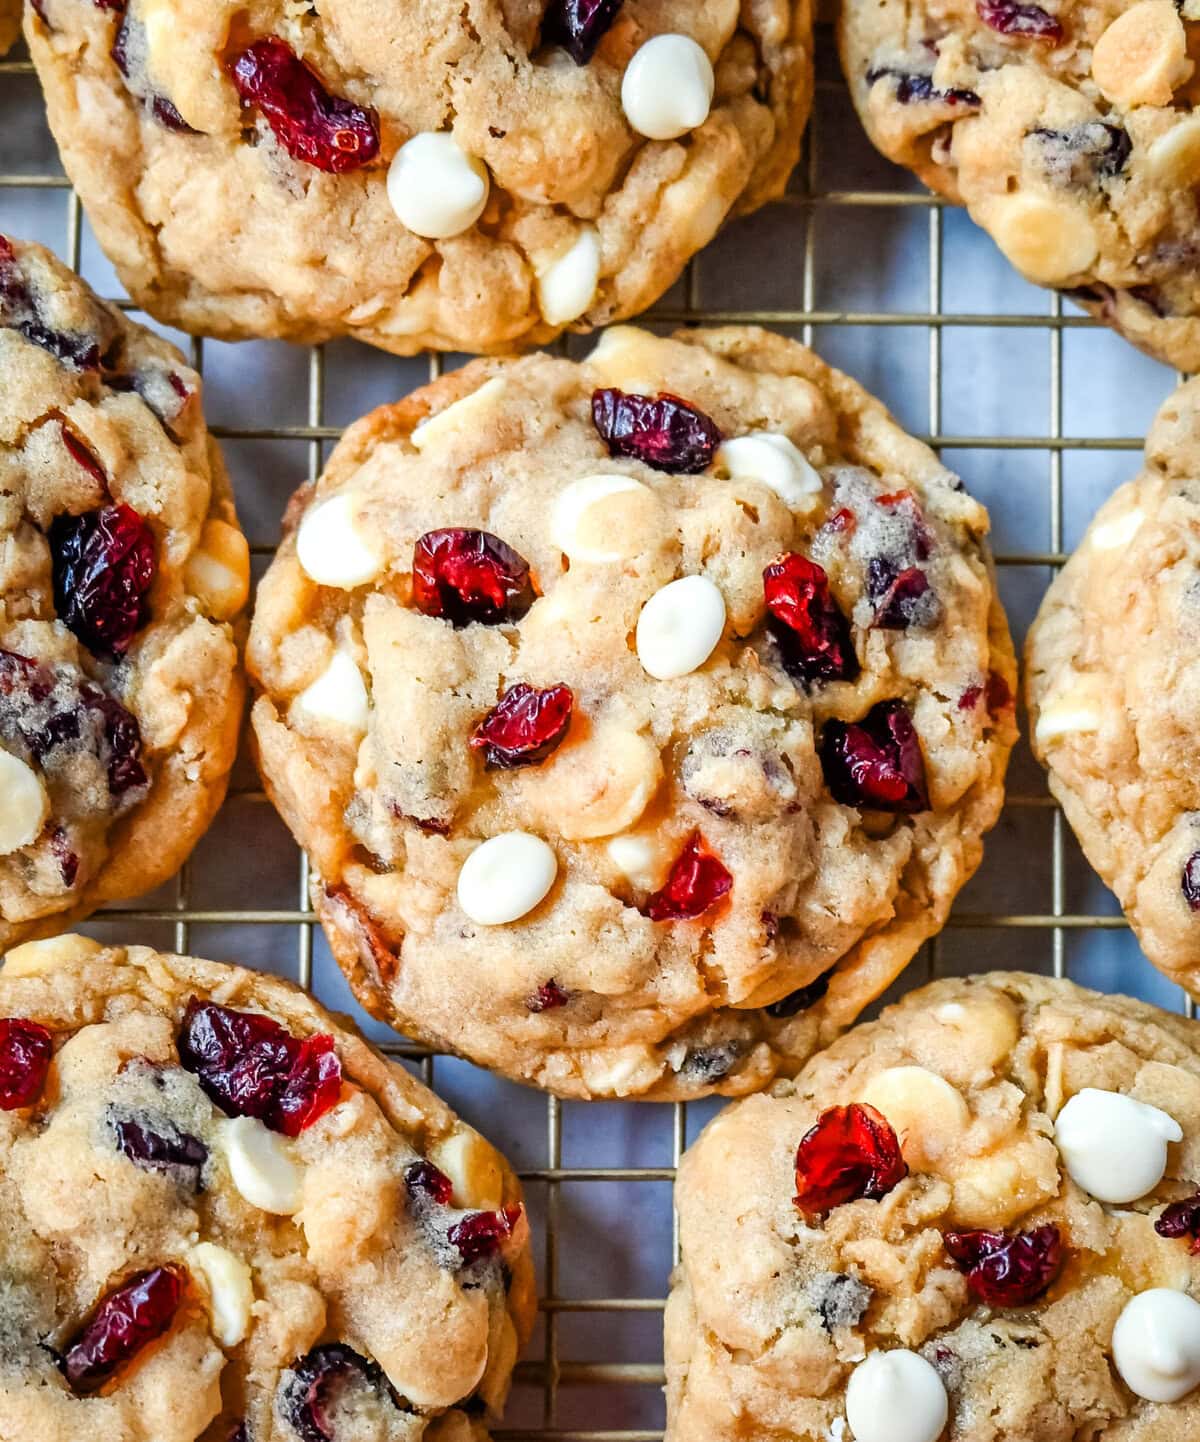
x,y
1067,132
494,173
640,717
122,572
10,23
1113,687
973,1220
225,1216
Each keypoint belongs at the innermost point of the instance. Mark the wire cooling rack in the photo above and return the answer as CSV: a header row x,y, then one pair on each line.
x,y
1041,411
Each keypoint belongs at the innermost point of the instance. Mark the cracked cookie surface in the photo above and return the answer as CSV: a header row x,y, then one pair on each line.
x,y
640,717
879,1314
122,573
529,199
1113,686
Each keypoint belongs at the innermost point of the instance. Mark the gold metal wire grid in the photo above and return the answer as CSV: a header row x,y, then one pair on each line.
x,y
558,1394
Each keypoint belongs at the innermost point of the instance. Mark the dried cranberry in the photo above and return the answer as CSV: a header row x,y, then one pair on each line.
x,y
998,692
252,1067
481,1235
129,1318
524,726
104,564
470,576
425,1180
65,855
800,999
578,25
1181,1219
19,311
696,881
548,997
323,130
123,740
1190,881
131,33
904,504
663,431
897,596
851,1154
161,1147
843,522
1084,154
920,88
1007,1269
25,1052
812,633
80,453
876,763
307,1389
1028,22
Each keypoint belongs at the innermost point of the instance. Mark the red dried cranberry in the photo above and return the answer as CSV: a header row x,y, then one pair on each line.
x,y
548,997
696,881
524,726
876,763
843,522
1190,881
481,1235
920,537
80,453
1181,1219
578,25
425,1180
104,565
127,1320
799,1000
307,1390
1029,22
323,130
25,1052
252,1067
19,311
65,855
851,1154
161,1147
812,633
896,595
1007,1269
470,576
663,431
123,740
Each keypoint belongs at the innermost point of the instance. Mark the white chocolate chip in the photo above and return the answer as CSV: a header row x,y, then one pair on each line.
x,y
1156,1345
679,627
1174,158
261,1166
437,189
604,518
667,87
925,1111
896,1396
632,358
32,958
1142,56
598,787
638,859
1112,535
332,547
772,459
218,570
338,696
506,877
24,804
462,414
567,285
1114,1146
230,1290
1074,707
1048,240
474,1169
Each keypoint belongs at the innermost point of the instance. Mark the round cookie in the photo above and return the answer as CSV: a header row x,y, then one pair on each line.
x,y
489,176
972,1220
122,571
1113,687
10,23
227,1217
1067,132
578,804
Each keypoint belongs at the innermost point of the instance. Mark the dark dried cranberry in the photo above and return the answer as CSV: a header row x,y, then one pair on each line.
x,y
123,741
127,1320
470,576
548,997
876,763
323,130
524,726
307,1389
1089,152
812,633
25,1052
578,25
912,88
696,881
161,1147
897,596
998,693
705,1065
1028,22
1181,1219
425,1180
851,1154
252,1067
65,855
662,431
1190,881
1007,1269
104,565
800,999
131,36
481,1235
19,311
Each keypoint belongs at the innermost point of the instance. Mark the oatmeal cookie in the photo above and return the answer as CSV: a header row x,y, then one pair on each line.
x,y
1113,686
973,1220
640,717
226,1217
1066,129
122,573
463,176
10,23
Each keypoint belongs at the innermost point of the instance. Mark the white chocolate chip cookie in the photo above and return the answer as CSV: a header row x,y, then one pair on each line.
x,y
10,23
640,717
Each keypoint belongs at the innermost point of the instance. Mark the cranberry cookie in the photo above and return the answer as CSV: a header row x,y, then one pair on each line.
x,y
974,1220
10,23
226,1217
121,570
464,176
1068,132
640,717
1113,686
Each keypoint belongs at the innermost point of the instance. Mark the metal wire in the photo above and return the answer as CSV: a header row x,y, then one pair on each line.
x,y
552,1373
